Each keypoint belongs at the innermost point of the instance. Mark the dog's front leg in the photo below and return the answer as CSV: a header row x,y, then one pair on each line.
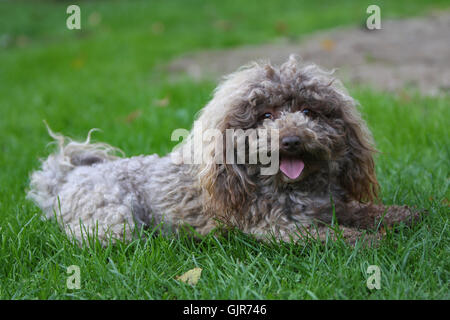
x,y
350,218
370,216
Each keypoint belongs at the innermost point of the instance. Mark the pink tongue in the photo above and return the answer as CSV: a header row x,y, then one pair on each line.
x,y
292,167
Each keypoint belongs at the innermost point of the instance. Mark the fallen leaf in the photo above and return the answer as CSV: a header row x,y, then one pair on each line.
x,y
133,116
328,44
162,102
158,28
405,96
94,19
190,277
281,27
78,63
223,25
22,41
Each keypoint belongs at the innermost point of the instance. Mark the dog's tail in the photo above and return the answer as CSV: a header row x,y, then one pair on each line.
x,y
46,182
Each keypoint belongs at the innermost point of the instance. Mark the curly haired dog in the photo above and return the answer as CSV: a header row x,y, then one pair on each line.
x,y
326,168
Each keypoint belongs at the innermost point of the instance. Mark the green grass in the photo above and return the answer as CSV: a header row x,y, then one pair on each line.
x,y
99,76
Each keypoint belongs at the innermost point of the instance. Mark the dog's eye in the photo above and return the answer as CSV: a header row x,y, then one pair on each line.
x,y
306,112
267,115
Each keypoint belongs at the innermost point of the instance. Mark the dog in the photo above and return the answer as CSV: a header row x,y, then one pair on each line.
x,y
326,174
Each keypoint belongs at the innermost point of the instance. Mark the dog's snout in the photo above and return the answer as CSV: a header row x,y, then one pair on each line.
x,y
290,143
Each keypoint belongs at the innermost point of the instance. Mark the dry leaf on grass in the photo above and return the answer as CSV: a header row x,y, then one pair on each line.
x,y
94,19
158,28
133,116
223,25
190,277
281,27
164,102
328,45
78,63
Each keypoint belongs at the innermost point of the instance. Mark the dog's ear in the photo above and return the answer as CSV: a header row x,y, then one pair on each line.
x,y
227,191
357,174
227,187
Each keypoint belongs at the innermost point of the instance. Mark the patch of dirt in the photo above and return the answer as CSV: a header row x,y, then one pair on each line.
x,y
411,52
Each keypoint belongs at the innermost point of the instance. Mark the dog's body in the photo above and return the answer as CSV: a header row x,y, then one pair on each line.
x,y
326,168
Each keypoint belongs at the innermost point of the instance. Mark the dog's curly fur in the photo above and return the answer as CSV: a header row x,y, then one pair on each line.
x,y
92,189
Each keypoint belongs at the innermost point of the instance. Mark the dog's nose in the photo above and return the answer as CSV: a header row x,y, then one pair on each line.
x,y
290,143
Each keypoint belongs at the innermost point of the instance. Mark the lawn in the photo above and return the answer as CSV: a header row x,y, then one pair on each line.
x,y
108,75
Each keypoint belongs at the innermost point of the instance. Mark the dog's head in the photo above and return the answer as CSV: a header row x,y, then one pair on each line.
x,y
319,130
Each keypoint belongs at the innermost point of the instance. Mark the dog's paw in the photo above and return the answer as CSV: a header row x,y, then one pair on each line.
x,y
402,214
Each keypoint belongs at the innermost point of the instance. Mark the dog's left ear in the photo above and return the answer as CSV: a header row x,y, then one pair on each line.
x,y
357,175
